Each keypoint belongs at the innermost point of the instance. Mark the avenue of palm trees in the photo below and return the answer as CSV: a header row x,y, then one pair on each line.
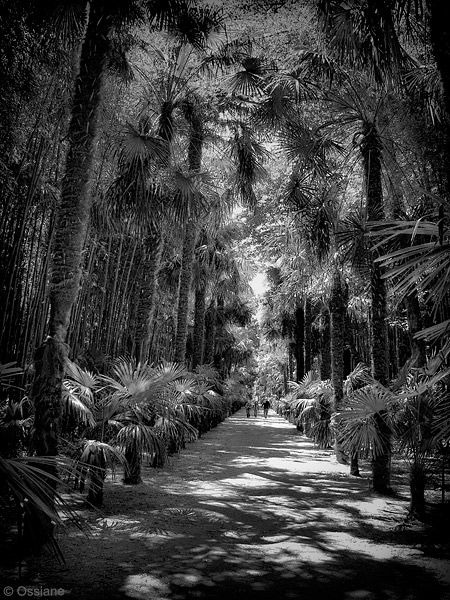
x,y
154,158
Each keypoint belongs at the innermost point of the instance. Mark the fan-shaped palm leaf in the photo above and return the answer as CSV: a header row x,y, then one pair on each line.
x,y
250,80
31,486
357,423
424,83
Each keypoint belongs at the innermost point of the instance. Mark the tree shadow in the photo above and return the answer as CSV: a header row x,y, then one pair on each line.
x,y
251,510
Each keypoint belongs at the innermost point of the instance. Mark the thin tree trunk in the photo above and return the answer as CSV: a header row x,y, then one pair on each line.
x,y
110,330
146,307
338,308
440,42
381,467
371,153
199,325
300,341
196,137
133,467
184,287
210,328
308,335
325,346
417,482
291,360
415,324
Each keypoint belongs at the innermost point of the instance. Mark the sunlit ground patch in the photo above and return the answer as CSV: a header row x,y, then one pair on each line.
x,y
144,586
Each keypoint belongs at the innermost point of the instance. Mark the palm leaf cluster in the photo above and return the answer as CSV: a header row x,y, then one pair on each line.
x,y
309,405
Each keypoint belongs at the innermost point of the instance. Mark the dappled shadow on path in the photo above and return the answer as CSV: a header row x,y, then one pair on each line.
x,y
252,510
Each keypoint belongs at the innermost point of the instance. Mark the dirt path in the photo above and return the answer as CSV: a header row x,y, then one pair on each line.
x,y
252,510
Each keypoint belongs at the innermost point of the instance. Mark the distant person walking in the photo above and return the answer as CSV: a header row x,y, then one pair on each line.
x,y
255,407
266,406
248,407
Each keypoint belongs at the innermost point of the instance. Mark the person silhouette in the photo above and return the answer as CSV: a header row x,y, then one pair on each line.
x,y
248,407
255,407
266,406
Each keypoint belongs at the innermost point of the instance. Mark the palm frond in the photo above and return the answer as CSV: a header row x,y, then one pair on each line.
x,y
29,482
357,423
249,81
424,83
138,147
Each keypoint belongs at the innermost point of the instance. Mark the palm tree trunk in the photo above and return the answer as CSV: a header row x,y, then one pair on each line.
x,y
417,481
196,137
210,328
308,334
440,42
325,346
133,467
146,307
381,467
70,230
291,357
187,263
300,341
415,324
199,325
371,153
338,308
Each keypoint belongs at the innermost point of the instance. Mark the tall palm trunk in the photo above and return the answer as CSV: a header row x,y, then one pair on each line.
x,y
146,307
70,230
440,42
210,329
184,286
371,154
199,324
338,308
196,137
325,346
415,324
308,334
300,341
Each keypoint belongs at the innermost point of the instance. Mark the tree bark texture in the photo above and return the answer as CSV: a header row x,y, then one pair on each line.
x,y
74,210
195,148
133,467
70,230
199,324
291,360
210,327
381,468
338,308
371,153
308,335
417,482
440,42
146,303
415,324
300,341
184,287
325,346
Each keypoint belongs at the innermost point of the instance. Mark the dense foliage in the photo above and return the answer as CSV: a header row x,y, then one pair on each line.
x,y
156,156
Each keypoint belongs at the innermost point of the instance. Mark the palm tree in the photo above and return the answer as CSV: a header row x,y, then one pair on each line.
x,y
365,426
196,138
76,198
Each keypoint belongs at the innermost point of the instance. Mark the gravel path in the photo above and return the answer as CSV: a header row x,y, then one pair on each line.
x,y
251,510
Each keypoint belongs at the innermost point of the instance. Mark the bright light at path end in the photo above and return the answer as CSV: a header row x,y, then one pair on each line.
x,y
259,284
